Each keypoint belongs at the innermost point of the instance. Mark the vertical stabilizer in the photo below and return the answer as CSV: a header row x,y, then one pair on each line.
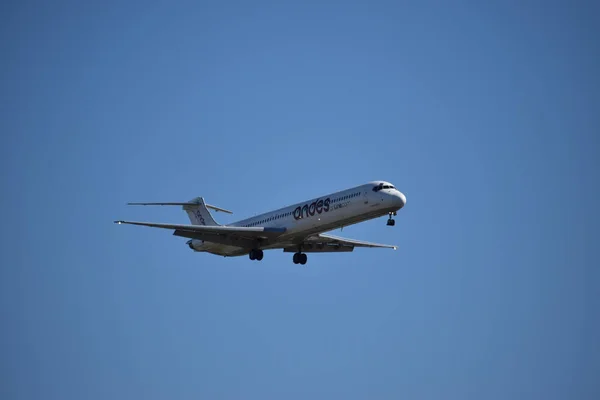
x,y
198,213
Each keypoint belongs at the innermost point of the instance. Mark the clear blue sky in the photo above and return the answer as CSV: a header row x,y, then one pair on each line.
x,y
486,114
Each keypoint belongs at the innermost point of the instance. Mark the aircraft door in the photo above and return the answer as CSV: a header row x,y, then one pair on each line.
x,y
366,196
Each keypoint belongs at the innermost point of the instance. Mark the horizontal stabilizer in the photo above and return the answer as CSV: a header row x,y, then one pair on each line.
x,y
187,203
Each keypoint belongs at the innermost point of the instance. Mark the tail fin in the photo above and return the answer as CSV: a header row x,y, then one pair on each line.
x,y
198,213
196,209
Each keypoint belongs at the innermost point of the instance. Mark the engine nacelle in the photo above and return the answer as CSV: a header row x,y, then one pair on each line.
x,y
194,244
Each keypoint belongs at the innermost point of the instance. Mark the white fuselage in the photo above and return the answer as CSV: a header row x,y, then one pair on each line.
x,y
317,215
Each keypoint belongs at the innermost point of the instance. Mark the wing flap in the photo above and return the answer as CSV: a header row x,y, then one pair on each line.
x,y
227,239
356,243
247,232
325,243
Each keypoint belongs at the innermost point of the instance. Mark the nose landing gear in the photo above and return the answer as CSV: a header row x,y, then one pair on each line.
x,y
391,221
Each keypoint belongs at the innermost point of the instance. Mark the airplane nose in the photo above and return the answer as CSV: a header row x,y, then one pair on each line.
x,y
401,199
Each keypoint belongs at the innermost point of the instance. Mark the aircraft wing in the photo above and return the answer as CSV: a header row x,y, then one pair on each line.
x,y
329,243
223,234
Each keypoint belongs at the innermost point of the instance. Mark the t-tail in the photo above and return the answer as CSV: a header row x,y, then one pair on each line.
x,y
196,209
198,212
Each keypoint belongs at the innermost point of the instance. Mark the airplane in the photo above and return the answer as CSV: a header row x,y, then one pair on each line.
x,y
299,228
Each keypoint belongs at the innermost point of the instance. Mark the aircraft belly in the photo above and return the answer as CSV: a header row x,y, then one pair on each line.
x,y
221,249
225,250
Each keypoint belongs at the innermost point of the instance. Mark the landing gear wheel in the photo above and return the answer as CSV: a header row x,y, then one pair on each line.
x,y
299,258
256,254
391,221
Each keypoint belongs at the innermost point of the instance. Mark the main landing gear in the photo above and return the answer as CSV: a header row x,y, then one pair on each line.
x,y
256,254
300,258
391,221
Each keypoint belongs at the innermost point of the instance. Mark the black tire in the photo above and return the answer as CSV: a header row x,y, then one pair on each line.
x,y
259,255
303,258
295,258
251,255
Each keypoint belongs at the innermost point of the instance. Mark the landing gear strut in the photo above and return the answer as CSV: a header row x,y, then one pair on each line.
x,y
300,258
256,254
391,221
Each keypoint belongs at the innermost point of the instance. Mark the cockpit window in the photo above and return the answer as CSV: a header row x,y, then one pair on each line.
x,y
382,186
